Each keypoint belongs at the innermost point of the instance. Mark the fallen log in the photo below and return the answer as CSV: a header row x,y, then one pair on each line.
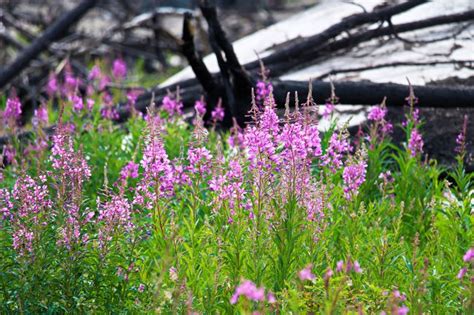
x,y
317,49
299,48
360,93
54,32
369,93
311,55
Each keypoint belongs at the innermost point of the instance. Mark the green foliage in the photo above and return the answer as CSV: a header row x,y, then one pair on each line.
x,y
408,234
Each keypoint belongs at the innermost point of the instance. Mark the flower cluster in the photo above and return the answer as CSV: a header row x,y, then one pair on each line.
x,y
200,107
66,160
172,106
395,303
469,259
348,266
119,69
217,113
461,139
415,143
129,171
264,89
115,216
377,113
306,273
28,208
248,289
338,145
158,177
354,175
12,111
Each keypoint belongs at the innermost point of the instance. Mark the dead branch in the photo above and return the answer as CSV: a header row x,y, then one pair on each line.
x,y
54,32
457,63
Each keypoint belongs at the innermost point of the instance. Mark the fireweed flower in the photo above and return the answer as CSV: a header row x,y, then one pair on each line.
x,y
115,216
462,273
28,207
71,83
469,259
271,298
338,145
52,85
461,139
415,143
469,256
158,176
306,274
104,82
172,106
377,114
327,110
250,291
40,116
263,90
6,204
260,141
72,233
348,266
108,110
129,171
217,113
77,102
9,153
12,112
354,176
69,163
200,107
199,160
95,73
119,69
229,189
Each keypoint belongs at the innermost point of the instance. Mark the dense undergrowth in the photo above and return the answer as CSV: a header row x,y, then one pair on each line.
x,y
158,215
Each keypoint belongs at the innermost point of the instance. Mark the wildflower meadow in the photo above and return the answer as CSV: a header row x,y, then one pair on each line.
x,y
170,213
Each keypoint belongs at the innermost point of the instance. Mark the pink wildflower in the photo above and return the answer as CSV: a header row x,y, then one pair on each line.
x,y
357,268
271,298
377,113
77,102
129,171
264,89
218,113
354,177
199,160
461,139
115,215
12,111
172,106
415,144
469,256
338,145
306,274
94,73
52,85
119,69
402,310
249,290
328,109
462,273
40,116
200,107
